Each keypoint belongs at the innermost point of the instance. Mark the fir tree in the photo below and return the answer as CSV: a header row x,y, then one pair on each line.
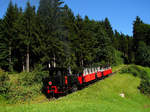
x,y
27,34
108,29
8,36
49,13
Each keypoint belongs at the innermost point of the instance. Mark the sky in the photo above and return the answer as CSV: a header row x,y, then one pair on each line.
x,y
121,13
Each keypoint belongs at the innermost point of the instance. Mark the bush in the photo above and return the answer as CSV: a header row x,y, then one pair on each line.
x,y
117,58
145,86
23,93
143,54
26,86
31,78
23,86
134,70
4,82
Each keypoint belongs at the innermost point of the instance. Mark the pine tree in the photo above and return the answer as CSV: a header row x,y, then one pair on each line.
x,y
103,43
27,34
141,39
136,32
49,13
8,36
68,35
143,54
108,29
79,41
84,43
3,49
131,53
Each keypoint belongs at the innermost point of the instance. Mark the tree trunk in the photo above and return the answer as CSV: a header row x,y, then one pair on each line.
x,y
23,68
82,63
54,61
27,61
10,61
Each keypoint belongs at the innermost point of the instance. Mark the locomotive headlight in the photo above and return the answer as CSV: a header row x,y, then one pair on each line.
x,y
50,83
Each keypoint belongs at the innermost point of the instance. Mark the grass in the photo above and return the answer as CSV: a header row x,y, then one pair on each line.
x,y
102,96
116,68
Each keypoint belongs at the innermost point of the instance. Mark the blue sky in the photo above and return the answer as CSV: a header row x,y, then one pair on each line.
x,y
121,13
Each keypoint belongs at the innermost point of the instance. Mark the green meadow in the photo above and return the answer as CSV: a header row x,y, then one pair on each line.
x,y
102,96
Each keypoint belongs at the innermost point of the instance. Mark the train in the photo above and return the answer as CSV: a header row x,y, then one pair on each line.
x,y
62,81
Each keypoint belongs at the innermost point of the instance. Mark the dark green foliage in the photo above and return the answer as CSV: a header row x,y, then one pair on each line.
x,y
136,33
28,33
84,42
133,70
143,54
124,44
141,37
131,54
4,85
51,46
53,36
102,44
7,37
145,86
108,29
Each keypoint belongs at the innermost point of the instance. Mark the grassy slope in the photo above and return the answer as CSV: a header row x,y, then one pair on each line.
x,y
103,96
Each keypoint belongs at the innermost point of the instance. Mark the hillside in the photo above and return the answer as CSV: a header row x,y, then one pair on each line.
x,y
103,96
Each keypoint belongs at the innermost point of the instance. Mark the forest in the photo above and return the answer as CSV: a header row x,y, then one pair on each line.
x,y
53,36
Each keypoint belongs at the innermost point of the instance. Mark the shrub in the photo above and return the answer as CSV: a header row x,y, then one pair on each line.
x,y
26,86
30,78
23,93
4,84
23,86
145,86
135,70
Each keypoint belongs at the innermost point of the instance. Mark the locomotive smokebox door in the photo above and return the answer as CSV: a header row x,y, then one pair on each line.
x,y
59,77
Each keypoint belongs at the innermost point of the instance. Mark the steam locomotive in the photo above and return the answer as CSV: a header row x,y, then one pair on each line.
x,y
62,80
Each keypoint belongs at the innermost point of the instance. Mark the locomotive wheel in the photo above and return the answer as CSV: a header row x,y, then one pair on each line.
x,y
65,93
74,88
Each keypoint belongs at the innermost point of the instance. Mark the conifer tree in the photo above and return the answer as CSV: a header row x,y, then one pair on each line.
x,y
108,29
68,35
49,13
103,44
27,33
8,36
136,33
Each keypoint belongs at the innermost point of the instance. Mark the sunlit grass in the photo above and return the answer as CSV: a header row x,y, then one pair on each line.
x,y
116,68
103,96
